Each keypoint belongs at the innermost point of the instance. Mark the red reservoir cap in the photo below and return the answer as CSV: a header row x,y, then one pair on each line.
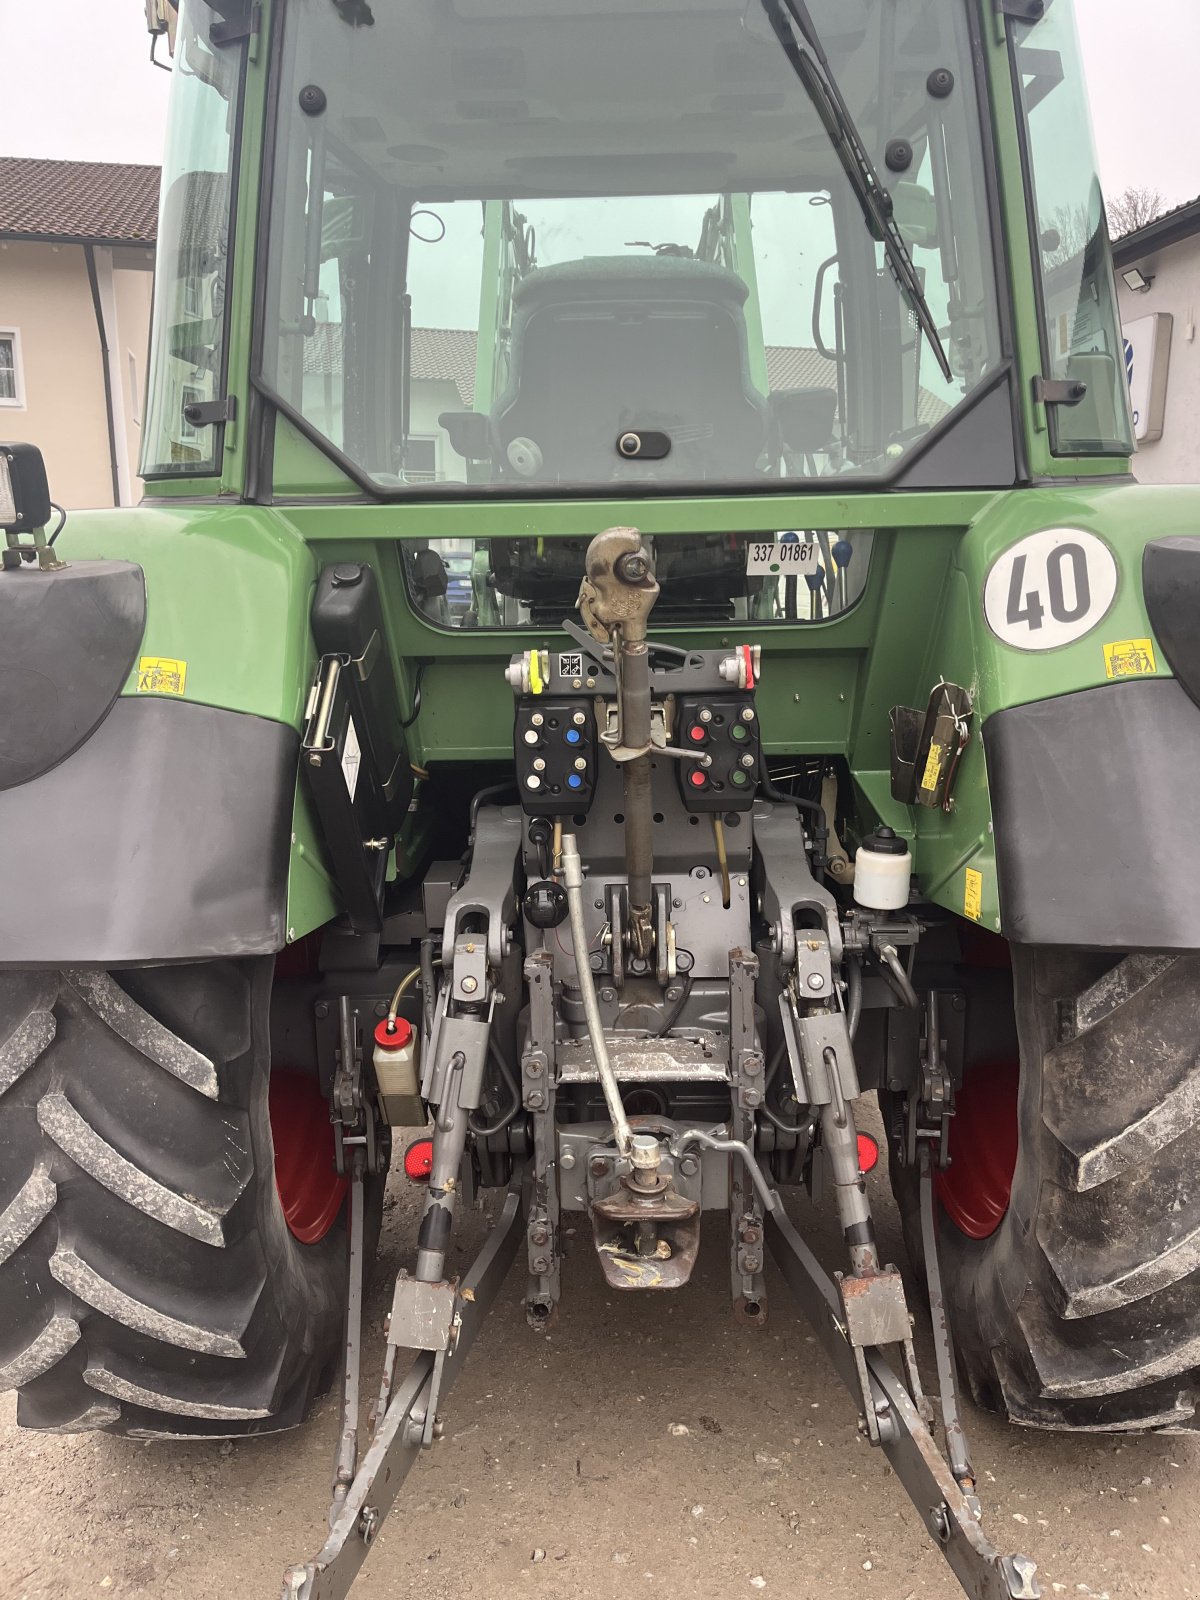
x,y
398,1038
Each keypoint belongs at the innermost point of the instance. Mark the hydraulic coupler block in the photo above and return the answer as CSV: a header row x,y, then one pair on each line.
x,y
555,753
724,729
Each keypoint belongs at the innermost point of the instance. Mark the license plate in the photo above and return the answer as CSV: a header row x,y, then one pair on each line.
x,y
781,558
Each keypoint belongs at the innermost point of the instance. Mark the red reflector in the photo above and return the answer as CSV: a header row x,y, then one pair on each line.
x,y
418,1161
696,778
868,1153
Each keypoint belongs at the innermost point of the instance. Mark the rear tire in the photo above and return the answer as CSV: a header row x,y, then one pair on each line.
x,y
1081,1310
149,1283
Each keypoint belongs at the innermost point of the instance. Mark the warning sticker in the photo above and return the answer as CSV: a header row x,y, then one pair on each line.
x,y
161,675
973,895
1130,658
933,767
570,665
351,758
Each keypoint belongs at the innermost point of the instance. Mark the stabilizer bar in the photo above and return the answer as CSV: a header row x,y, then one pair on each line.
x,y
906,1441
398,1441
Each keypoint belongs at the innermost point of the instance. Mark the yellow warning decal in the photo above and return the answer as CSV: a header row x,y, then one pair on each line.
x,y
1130,658
973,895
933,766
161,675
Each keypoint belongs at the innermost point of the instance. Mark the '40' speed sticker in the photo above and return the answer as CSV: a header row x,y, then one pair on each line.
x,y
1050,589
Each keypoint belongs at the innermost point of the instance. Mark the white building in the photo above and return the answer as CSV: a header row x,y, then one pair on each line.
x,y
76,277
1158,285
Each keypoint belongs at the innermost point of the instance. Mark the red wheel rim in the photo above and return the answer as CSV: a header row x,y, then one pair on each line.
x,y
976,1187
310,1190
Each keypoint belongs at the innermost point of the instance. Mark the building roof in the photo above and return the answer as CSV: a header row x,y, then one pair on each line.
x,y
441,354
97,202
1182,222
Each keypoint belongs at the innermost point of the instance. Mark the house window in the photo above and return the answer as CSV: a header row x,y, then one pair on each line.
x,y
420,461
12,384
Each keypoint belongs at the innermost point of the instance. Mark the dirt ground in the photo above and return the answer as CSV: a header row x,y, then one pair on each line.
x,y
564,1473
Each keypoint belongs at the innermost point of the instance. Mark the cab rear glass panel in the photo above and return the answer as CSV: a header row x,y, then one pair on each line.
x,y
791,577
507,234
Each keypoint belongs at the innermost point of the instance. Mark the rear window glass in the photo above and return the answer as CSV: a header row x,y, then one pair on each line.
x,y
795,576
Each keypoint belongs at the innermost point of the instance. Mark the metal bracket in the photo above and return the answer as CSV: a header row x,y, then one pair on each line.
x,y
39,549
347,1454
1021,10
814,970
425,1316
539,1081
207,413
490,887
1059,391
930,1108
610,736
810,1040
875,1314
353,1115
240,21
956,1438
874,1310
787,885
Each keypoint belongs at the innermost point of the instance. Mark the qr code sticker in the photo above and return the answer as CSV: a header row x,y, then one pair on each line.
x,y
571,665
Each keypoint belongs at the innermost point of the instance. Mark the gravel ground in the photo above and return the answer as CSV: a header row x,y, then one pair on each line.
x,y
646,1444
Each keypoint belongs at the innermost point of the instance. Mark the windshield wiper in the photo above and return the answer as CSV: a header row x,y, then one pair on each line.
x,y
795,30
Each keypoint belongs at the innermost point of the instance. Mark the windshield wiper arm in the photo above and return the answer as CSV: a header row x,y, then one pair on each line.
x,y
795,30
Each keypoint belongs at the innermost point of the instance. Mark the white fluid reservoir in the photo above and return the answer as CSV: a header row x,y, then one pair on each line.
x,y
395,1061
882,872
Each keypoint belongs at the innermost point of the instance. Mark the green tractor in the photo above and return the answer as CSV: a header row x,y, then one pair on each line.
x,y
641,632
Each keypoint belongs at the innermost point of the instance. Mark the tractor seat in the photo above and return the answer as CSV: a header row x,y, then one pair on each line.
x,y
611,344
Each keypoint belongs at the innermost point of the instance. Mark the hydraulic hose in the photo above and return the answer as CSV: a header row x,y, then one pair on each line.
x,y
854,988
778,798
900,979
738,1147
572,869
497,791
514,1096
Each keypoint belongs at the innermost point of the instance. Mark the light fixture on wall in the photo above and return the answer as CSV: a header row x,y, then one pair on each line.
x,y
1136,280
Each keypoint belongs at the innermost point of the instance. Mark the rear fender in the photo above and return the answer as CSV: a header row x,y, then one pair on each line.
x,y
152,696
1081,754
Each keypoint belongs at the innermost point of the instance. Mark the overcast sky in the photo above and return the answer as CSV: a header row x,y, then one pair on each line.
x,y
78,83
